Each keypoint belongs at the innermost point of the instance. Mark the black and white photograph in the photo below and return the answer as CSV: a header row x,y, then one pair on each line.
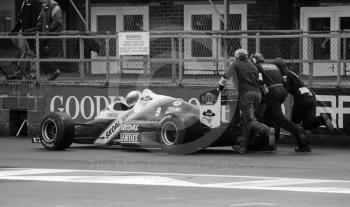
x,y
157,103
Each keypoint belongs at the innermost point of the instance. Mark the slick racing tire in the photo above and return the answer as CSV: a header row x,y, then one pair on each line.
x,y
57,131
172,134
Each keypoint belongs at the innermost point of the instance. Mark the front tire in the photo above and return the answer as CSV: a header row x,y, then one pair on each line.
x,y
172,134
57,131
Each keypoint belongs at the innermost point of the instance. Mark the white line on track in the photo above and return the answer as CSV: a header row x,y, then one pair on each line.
x,y
252,204
179,180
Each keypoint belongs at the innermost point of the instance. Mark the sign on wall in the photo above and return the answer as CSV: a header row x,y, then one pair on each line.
x,y
336,103
134,43
83,105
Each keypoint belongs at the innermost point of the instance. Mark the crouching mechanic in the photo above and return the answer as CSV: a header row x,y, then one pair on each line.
x,y
275,94
248,100
304,107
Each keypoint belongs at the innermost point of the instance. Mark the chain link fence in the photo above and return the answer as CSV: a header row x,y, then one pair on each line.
x,y
196,58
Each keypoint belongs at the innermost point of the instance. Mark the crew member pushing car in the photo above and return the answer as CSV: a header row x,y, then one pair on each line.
x,y
275,94
249,97
304,107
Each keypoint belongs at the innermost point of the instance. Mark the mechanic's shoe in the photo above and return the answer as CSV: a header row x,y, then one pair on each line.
x,y
240,148
306,148
54,75
327,122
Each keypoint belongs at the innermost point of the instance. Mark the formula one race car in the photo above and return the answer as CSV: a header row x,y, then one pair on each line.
x,y
149,120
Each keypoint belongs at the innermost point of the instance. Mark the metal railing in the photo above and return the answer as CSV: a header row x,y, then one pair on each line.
x,y
186,58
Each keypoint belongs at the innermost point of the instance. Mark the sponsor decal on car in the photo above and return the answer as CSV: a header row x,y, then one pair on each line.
x,y
112,115
118,123
172,109
208,98
129,127
133,138
208,115
177,103
146,98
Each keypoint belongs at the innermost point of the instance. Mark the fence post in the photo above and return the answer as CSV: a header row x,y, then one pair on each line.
x,y
181,60
146,69
107,57
216,58
310,61
226,56
81,57
344,55
257,42
37,56
339,59
173,62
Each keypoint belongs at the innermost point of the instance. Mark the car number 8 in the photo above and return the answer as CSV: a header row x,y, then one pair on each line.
x,y
159,109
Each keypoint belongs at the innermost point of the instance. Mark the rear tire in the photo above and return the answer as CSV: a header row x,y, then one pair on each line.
x,y
57,131
172,134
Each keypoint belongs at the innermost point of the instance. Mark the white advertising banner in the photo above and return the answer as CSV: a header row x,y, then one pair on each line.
x,y
134,43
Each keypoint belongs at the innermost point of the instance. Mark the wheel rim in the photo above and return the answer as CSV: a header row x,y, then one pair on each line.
x,y
169,133
49,130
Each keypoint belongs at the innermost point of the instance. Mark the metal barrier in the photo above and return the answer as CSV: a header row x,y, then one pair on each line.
x,y
176,58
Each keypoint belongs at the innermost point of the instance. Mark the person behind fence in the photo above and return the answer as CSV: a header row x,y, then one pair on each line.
x,y
275,94
304,107
50,20
27,18
248,100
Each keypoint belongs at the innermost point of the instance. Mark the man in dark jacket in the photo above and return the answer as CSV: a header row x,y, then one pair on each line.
x,y
304,107
50,20
27,18
275,95
249,98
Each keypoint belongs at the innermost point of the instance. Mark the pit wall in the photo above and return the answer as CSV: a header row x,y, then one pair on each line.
x,y
22,101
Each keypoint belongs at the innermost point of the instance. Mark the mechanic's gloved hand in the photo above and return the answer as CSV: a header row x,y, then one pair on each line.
x,y
220,87
305,90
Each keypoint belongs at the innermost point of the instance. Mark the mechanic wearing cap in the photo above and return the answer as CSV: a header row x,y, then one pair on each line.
x,y
275,94
248,100
304,107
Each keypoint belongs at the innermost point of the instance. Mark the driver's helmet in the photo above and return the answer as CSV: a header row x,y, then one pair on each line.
x,y
132,97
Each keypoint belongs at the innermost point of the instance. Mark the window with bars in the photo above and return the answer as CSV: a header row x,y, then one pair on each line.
x,y
202,47
320,46
107,23
133,23
345,42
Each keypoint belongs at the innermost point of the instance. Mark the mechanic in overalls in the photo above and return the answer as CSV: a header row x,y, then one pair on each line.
x,y
304,107
249,97
274,96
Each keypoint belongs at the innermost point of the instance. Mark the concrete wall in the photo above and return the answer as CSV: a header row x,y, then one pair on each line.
x,y
21,96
